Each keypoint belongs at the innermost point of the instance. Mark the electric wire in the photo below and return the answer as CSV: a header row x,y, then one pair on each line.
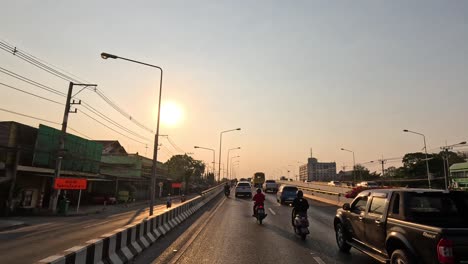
x,y
45,66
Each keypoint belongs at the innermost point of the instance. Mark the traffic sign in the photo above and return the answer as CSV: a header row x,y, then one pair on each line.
x,y
70,184
176,185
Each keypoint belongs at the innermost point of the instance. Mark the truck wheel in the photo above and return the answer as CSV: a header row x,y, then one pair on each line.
x,y
341,238
400,256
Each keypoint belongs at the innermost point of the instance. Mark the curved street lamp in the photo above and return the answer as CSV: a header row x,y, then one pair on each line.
x,y
156,136
227,161
425,151
220,144
354,163
198,147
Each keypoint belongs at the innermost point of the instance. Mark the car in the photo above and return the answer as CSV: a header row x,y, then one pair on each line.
x,y
286,194
270,185
406,225
368,184
334,183
243,188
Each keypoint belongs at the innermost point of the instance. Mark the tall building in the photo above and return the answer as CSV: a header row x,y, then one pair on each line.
x,y
317,171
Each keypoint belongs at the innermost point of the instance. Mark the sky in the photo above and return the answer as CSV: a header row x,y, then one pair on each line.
x,y
293,75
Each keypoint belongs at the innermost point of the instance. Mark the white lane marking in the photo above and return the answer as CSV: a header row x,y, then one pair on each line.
x,y
319,260
271,210
100,223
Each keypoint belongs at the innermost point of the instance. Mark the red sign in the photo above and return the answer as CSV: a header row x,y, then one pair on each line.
x,y
176,185
70,184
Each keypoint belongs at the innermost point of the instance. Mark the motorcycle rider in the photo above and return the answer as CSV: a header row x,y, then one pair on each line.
x,y
300,205
259,199
227,188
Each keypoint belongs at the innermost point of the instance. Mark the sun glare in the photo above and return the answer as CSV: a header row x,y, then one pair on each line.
x,y
171,113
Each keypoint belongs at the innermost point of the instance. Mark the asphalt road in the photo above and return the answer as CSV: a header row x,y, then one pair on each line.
x,y
47,236
227,233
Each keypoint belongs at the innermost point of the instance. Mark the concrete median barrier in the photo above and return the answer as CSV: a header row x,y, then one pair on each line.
x,y
122,245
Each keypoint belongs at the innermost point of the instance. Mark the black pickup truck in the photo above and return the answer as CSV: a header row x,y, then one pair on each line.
x,y
406,226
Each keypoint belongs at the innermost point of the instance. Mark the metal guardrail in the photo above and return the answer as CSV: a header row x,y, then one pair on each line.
x,y
319,191
211,189
334,196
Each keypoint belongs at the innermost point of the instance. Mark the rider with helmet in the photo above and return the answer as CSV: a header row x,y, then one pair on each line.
x,y
300,205
259,199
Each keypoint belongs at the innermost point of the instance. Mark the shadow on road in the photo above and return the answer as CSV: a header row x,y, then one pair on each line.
x,y
137,213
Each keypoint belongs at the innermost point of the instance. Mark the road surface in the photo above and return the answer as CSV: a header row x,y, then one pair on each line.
x,y
227,233
48,236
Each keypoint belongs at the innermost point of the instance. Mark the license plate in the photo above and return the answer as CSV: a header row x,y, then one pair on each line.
x,y
261,211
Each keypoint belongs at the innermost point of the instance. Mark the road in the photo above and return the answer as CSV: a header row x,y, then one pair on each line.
x,y
227,233
48,236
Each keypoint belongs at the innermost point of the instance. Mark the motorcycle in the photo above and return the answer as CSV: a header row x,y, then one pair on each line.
x,y
301,225
227,192
260,213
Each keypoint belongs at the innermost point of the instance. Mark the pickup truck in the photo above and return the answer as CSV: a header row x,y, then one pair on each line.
x,y
406,226
270,185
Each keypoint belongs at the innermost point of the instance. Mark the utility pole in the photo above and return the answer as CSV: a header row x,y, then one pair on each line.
x,y
61,151
445,157
383,161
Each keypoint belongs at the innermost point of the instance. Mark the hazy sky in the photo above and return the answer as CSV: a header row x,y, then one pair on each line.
x,y
293,75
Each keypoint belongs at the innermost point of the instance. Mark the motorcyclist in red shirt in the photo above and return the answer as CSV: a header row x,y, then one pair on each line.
x,y
259,199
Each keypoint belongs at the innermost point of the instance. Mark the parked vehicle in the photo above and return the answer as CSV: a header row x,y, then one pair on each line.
x,y
406,226
243,189
286,194
301,225
270,185
368,184
334,183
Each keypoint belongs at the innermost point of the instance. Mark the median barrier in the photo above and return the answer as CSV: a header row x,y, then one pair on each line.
x,y
123,244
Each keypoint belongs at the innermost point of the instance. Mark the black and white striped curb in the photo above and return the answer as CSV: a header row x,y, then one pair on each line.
x,y
124,244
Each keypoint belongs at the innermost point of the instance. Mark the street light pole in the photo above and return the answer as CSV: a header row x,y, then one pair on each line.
x,y
198,147
227,161
234,164
354,163
230,173
156,136
220,145
425,151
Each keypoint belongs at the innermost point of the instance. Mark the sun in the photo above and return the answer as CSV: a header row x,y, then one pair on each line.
x,y
171,113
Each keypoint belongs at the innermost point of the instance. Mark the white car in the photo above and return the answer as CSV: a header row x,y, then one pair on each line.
x,y
243,188
334,183
368,184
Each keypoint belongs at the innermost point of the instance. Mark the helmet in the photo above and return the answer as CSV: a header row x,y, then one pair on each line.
x,y
299,194
259,190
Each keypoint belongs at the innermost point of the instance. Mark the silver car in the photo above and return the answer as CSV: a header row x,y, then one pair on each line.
x,y
243,188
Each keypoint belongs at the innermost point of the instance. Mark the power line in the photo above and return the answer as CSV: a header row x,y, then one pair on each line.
x,y
174,145
121,111
96,112
33,117
50,69
40,119
24,79
21,55
85,105
112,128
35,95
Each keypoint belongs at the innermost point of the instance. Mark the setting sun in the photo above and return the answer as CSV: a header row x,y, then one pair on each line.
x,y
171,113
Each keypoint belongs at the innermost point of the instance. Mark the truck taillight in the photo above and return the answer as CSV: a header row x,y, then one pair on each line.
x,y
445,251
